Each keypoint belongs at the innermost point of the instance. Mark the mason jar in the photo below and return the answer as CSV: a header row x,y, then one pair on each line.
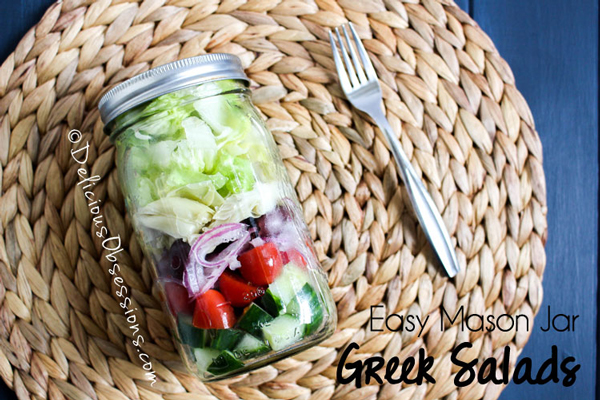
x,y
215,212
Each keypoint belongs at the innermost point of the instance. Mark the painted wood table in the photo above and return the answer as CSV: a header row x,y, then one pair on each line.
x,y
552,48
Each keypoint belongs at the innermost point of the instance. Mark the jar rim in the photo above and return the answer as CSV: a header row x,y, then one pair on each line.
x,y
169,78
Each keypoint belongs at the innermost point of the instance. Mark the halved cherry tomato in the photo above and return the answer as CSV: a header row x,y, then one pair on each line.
x,y
178,298
237,290
293,256
213,312
261,265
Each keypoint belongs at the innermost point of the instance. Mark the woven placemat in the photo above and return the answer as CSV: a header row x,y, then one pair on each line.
x,y
466,128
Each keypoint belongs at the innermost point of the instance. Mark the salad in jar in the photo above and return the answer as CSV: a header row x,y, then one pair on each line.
x,y
214,209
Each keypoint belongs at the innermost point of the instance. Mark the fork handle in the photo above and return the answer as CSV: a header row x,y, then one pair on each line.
x,y
427,213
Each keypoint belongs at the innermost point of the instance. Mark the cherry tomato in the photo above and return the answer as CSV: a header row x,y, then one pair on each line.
x,y
237,290
293,256
178,298
261,265
213,312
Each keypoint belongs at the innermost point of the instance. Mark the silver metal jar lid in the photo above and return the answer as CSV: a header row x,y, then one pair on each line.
x,y
169,78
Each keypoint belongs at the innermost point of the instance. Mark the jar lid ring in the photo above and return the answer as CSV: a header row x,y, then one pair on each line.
x,y
169,78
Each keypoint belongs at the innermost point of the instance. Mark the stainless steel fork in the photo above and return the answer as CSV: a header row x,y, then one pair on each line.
x,y
360,84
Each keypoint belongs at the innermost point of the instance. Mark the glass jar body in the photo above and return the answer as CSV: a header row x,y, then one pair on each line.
x,y
215,212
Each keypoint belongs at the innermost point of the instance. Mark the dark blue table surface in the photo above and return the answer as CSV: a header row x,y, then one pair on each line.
x,y
552,48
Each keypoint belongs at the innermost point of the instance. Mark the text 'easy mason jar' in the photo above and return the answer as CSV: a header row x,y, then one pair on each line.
x,y
215,212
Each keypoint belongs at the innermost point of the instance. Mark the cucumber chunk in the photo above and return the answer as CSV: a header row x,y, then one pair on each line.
x,y
204,357
190,335
224,363
250,346
226,339
283,331
288,283
272,304
307,308
254,319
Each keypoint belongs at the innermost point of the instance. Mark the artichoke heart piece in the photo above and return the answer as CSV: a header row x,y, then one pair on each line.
x,y
176,216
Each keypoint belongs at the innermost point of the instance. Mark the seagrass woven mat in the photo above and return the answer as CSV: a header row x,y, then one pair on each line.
x,y
448,94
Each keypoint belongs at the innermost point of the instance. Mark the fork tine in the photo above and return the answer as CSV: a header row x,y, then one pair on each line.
x,y
349,67
342,74
364,56
357,66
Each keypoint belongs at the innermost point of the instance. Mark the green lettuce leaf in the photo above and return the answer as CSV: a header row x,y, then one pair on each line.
x,y
192,149
226,115
239,174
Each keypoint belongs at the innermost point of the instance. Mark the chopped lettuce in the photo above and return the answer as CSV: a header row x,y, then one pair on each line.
x,y
225,116
193,160
223,86
239,174
145,191
160,117
200,143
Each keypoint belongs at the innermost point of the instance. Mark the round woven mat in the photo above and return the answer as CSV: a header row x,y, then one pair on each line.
x,y
464,125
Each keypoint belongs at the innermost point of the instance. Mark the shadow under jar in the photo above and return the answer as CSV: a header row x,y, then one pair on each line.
x,y
215,212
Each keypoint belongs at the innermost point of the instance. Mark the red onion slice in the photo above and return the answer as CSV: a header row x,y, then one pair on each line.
x,y
200,273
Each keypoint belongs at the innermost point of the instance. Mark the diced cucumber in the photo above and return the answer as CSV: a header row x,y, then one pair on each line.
x,y
205,357
272,303
191,335
226,339
288,283
254,319
283,331
307,308
250,346
224,363
321,282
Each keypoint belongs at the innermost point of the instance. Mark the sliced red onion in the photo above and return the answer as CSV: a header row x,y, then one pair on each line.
x,y
286,236
235,264
287,239
274,222
201,274
281,227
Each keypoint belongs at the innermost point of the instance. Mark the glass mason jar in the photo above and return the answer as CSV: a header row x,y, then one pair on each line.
x,y
215,212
